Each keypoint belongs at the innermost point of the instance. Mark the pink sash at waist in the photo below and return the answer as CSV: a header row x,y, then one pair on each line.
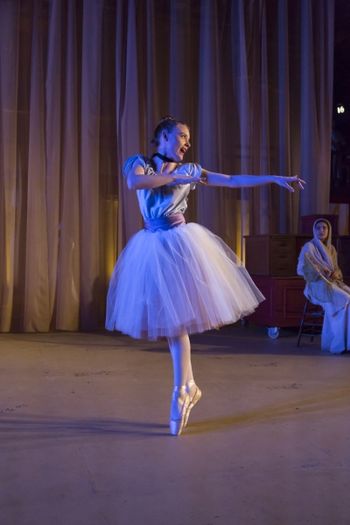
x,y
166,222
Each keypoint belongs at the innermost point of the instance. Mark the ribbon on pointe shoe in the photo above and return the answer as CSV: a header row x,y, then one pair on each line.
x,y
179,407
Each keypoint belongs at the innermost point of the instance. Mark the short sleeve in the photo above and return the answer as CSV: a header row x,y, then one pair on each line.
x,y
132,162
195,170
196,173
192,170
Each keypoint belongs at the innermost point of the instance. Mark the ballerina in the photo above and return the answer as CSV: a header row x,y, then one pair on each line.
x,y
175,278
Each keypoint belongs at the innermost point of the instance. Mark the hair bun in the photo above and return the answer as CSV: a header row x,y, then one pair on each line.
x,y
167,117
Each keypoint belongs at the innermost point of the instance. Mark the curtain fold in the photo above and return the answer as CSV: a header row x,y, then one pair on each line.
x,y
283,204
90,147
54,142
316,74
9,44
68,272
208,114
82,86
129,117
36,291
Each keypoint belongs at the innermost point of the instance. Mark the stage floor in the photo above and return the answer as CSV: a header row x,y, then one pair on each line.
x,y
84,432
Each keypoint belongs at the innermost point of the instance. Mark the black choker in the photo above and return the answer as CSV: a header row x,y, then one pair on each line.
x,y
164,158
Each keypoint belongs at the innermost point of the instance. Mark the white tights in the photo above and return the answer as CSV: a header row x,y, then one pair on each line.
x,y
180,349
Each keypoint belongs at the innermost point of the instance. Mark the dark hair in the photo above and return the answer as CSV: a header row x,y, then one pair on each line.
x,y
167,123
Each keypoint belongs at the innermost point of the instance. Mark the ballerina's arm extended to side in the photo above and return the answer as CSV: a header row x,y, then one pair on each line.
x,y
250,181
137,180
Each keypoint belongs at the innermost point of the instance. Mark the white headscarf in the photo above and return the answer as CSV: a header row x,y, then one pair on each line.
x,y
323,251
317,253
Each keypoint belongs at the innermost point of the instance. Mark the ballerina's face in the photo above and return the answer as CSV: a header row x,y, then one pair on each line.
x,y
321,230
174,144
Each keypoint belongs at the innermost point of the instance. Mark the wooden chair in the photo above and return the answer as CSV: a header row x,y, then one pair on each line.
x,y
311,322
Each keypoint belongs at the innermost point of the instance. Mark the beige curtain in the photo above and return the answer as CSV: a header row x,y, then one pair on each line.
x,y
82,85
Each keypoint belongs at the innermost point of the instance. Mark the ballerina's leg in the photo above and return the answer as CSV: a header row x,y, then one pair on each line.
x,y
186,393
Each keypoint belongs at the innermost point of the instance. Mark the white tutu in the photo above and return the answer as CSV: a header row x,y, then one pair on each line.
x,y
185,279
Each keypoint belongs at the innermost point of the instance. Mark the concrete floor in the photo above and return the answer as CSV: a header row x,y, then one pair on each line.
x,y
84,432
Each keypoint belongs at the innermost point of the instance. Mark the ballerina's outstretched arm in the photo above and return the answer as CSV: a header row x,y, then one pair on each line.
x,y
249,181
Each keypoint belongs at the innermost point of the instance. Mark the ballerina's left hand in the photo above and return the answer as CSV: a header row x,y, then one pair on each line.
x,y
287,182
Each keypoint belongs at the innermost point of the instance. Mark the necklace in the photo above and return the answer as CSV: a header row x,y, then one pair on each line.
x,y
164,158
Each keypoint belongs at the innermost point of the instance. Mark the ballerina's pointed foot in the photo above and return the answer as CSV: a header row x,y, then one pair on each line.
x,y
183,400
178,412
195,394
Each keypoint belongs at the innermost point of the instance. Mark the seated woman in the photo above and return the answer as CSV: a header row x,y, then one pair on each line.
x,y
324,286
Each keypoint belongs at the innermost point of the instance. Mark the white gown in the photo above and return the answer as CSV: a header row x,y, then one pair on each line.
x,y
181,279
333,296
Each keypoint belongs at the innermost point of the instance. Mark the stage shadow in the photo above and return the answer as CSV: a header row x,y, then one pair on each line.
x,y
28,428
14,430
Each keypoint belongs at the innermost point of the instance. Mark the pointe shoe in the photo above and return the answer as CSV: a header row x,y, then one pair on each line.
x,y
178,412
194,394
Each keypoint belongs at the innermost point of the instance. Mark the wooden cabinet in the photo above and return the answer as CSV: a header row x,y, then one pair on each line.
x,y
284,301
271,261
270,255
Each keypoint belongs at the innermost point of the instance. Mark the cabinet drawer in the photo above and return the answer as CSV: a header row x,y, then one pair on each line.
x,y
271,255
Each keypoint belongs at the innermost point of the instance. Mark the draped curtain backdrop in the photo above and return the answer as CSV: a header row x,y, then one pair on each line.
x,y
82,85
